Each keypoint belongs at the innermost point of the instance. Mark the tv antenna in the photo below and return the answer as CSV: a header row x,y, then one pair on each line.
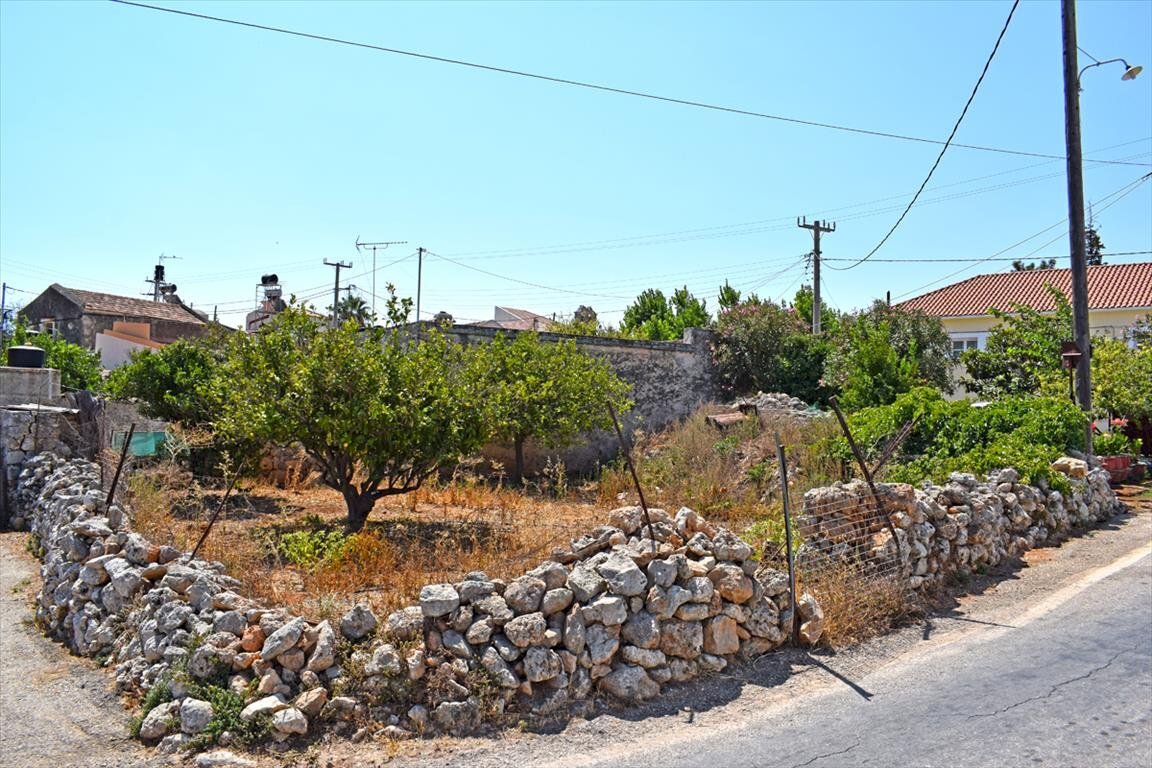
x,y
159,285
376,247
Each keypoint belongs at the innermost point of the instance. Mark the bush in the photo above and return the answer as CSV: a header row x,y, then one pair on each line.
x,y
309,549
1115,443
1026,433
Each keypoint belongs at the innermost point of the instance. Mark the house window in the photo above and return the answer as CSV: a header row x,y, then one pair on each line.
x,y
961,345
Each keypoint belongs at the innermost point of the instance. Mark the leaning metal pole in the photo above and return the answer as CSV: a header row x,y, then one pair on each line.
x,y
1079,257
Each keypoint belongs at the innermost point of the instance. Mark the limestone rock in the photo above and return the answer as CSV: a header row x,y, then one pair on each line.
x,y
405,624
681,638
720,638
290,720
358,623
526,630
630,683
282,639
541,664
524,594
732,583
622,575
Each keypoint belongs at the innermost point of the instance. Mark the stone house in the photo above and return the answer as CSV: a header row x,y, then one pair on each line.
x,y
1119,297
113,326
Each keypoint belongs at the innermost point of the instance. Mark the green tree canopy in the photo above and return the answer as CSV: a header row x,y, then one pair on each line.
x,y
551,391
654,316
761,345
179,382
884,351
1022,353
1122,378
378,414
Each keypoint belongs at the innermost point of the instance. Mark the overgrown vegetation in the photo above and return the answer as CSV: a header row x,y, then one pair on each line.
x,y
1026,433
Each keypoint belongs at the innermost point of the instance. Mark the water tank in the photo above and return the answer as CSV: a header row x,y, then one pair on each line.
x,y
25,356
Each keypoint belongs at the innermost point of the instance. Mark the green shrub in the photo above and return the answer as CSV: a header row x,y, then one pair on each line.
x,y
309,549
1026,433
1114,443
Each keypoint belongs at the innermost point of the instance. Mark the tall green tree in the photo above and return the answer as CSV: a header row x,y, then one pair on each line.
x,y
1122,378
761,345
551,391
354,308
805,300
377,413
884,351
655,317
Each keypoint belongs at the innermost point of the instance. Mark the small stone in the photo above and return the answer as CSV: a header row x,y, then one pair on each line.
x,y
574,631
585,583
416,663
622,575
311,702
643,657
662,572
642,630
553,574
495,607
480,632
292,659
253,639
155,725
324,651
728,546
385,661
222,758
290,720
359,622
684,639
542,664
606,609
266,705
732,583
499,669
602,642
455,644
233,622
720,638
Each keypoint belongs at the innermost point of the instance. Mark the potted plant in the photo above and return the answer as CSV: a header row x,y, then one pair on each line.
x,y
1115,450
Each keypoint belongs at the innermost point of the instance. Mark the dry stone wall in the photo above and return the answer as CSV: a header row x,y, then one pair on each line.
x,y
623,611
962,525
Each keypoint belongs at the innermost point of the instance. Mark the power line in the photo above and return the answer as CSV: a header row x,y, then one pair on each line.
x,y
524,282
1112,198
577,83
947,143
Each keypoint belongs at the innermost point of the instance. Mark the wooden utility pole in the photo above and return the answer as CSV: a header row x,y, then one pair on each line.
x,y
419,280
817,227
336,290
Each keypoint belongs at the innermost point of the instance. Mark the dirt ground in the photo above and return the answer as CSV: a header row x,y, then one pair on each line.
x,y
56,710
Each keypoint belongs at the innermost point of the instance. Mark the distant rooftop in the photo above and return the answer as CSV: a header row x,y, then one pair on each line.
x,y
1110,286
94,303
512,319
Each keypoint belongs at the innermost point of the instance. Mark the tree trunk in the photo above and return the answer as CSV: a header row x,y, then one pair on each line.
x,y
518,470
359,507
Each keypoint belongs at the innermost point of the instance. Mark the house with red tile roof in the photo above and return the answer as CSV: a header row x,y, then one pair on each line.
x,y
1119,296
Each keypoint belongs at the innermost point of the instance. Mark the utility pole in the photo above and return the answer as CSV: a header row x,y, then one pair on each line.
x,y
817,227
336,290
1079,259
419,280
376,246
158,276
3,310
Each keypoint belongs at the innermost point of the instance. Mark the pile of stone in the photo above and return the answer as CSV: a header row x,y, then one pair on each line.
x,y
778,402
626,609
960,526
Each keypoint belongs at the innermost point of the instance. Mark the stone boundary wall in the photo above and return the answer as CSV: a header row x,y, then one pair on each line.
x,y
670,380
962,525
616,613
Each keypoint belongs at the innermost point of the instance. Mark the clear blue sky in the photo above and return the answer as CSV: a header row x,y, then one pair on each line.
x,y
125,133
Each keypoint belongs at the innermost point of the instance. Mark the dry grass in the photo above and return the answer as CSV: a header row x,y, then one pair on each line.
x,y
858,606
437,533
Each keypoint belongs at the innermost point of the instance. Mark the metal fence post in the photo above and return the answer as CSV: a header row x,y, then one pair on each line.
x,y
788,542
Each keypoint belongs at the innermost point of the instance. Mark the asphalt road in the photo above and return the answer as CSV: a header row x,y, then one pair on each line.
x,y
1068,685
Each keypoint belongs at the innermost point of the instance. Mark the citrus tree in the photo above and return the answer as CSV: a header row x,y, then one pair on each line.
x,y
551,391
377,411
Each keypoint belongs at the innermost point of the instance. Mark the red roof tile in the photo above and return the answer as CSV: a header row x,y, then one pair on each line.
x,y
1110,286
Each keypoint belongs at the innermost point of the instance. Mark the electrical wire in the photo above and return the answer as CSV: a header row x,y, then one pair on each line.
x,y
575,83
1111,198
939,157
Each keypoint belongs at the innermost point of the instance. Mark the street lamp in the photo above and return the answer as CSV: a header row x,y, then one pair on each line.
x,y
1079,259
